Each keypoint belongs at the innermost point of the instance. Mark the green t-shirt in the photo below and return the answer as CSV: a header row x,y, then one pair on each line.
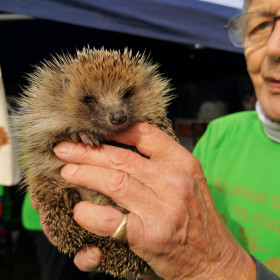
x,y
30,217
241,167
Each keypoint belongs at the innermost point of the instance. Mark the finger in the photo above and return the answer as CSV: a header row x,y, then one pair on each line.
x,y
88,259
151,141
130,183
159,147
107,156
105,220
138,167
144,170
101,220
118,185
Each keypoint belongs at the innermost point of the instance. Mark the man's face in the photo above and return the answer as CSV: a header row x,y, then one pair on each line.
x,y
263,63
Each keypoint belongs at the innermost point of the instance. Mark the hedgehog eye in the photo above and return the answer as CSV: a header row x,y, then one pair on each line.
x,y
89,99
128,93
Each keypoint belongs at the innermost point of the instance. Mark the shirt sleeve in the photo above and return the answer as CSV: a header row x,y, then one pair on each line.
x,y
263,273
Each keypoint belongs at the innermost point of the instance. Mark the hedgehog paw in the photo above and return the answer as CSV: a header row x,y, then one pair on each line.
x,y
89,139
75,137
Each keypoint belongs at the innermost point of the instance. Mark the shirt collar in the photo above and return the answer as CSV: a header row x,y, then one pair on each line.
x,y
271,128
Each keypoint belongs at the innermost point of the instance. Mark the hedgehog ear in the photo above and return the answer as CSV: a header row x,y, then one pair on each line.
x,y
66,83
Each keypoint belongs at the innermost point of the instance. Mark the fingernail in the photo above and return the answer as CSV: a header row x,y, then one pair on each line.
x,y
68,169
92,254
64,148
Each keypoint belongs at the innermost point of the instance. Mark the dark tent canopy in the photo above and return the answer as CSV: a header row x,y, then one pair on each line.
x,y
189,22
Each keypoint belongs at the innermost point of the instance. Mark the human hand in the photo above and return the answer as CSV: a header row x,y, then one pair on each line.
x,y
173,224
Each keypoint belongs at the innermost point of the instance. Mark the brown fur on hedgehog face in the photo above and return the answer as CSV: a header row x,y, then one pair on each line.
x,y
85,98
100,92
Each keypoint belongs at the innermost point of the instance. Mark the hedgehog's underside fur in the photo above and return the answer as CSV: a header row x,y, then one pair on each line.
x,y
85,98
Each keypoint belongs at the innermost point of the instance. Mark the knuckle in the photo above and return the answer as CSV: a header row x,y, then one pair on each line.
x,y
146,128
161,236
108,223
188,159
120,157
185,189
175,212
181,185
117,181
192,168
197,166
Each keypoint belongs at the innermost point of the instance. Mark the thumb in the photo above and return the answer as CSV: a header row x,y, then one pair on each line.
x,y
88,259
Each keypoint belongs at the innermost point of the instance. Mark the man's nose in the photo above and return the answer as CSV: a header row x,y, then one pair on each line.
x,y
273,43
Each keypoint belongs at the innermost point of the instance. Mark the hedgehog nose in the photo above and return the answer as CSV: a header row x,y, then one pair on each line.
x,y
118,117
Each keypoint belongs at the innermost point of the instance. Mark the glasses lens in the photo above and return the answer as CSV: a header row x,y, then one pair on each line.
x,y
250,29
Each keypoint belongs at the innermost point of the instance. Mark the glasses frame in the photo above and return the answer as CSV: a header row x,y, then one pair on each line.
x,y
274,19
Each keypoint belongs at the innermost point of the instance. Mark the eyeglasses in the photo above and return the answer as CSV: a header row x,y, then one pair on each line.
x,y
251,29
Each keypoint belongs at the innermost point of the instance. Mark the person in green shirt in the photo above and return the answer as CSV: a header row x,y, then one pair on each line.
x,y
239,153
240,162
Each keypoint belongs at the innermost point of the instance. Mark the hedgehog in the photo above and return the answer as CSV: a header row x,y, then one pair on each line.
x,y
86,97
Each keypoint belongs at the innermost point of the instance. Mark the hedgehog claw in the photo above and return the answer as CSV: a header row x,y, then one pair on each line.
x,y
74,137
89,139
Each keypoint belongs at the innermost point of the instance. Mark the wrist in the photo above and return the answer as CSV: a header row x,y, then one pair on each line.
x,y
231,263
236,264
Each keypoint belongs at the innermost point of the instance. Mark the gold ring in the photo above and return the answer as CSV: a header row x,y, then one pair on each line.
x,y
120,234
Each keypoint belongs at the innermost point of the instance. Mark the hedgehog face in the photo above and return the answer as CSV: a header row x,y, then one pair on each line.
x,y
109,101
102,110
98,92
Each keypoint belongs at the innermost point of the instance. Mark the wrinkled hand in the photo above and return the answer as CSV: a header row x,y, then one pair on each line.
x,y
173,224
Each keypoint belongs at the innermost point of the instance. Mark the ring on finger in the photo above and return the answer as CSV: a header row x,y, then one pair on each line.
x,y
120,234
